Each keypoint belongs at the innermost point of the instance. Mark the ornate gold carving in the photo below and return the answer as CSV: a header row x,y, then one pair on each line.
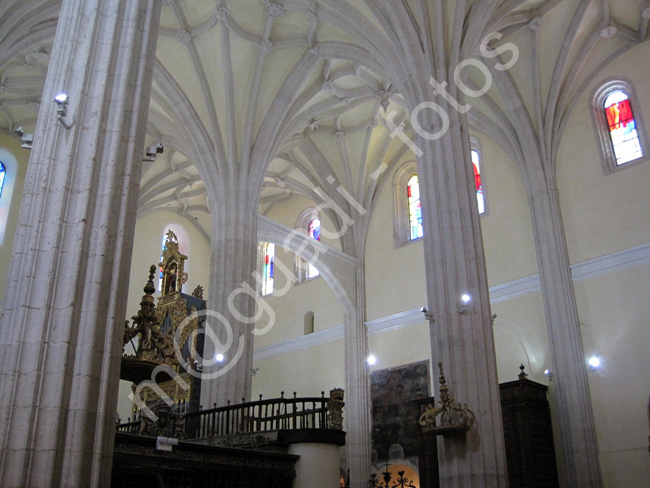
x,y
449,417
158,332
335,409
198,292
173,266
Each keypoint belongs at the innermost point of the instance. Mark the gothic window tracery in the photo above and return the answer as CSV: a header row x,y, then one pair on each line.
x,y
308,222
622,127
619,124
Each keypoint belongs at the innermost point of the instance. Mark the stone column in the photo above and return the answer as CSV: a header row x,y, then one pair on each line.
x,y
461,333
577,445
357,402
61,331
233,286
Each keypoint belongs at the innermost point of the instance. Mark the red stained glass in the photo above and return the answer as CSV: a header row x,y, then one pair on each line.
x,y
619,115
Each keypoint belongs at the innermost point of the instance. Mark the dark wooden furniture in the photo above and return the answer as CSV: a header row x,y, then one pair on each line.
x,y
530,453
528,435
137,464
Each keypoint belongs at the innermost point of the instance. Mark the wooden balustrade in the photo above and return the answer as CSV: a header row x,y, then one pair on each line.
x,y
277,414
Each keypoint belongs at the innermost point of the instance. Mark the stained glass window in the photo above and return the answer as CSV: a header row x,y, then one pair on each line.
x,y
476,163
314,229
622,128
162,248
268,268
3,172
415,210
314,233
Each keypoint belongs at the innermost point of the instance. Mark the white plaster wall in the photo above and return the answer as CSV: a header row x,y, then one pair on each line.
x,y
520,338
604,213
402,346
306,371
614,314
507,231
394,277
314,295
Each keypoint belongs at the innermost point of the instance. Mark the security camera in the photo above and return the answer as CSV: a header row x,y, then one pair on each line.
x,y
26,140
153,151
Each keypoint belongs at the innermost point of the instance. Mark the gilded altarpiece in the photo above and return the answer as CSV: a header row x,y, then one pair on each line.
x,y
167,334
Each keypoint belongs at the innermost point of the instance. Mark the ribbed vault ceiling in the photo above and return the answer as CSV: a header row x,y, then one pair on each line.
x,y
311,81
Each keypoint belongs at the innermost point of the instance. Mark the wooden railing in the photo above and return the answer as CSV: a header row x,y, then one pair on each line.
x,y
129,427
259,416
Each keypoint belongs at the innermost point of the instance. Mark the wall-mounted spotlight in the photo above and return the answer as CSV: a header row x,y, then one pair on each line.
x,y
465,299
594,362
427,315
372,360
548,374
26,140
219,358
152,152
62,109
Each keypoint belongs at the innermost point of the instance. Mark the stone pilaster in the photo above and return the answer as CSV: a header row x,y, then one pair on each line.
x,y
573,415
461,333
61,331
233,286
357,403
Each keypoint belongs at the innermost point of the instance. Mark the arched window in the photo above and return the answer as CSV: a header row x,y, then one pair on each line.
x,y
408,216
3,172
309,322
618,124
622,127
479,180
476,163
268,264
309,222
314,232
415,209
8,178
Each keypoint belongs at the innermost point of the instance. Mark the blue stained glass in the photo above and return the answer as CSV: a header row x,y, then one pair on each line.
x,y
3,172
314,229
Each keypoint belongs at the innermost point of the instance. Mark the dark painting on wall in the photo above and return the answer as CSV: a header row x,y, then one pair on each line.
x,y
394,415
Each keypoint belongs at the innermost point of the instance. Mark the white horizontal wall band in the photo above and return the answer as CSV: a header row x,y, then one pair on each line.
x,y
505,291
